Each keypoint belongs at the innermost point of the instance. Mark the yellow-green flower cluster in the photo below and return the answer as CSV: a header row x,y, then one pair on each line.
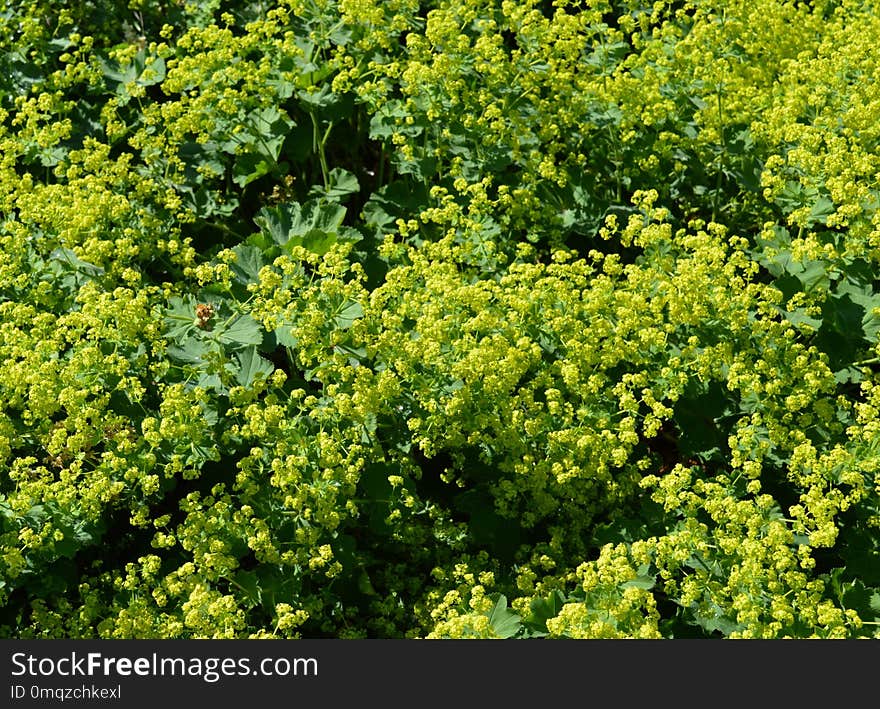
x,y
383,318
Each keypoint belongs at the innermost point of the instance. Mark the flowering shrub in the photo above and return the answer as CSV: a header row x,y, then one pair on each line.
x,y
388,318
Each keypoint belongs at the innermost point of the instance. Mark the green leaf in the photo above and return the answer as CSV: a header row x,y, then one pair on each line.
x,y
284,335
65,268
179,317
820,210
713,620
643,579
341,184
201,155
861,554
795,196
70,259
248,262
277,222
252,367
315,225
192,350
812,274
143,70
840,336
35,515
249,167
293,219
270,127
348,314
798,317
211,382
76,536
543,609
243,330
317,241
258,146
365,585
393,201
376,492
248,584
865,296
321,99
504,622
696,418
856,595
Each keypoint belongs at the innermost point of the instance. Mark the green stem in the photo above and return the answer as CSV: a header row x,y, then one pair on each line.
x,y
381,175
318,147
862,363
722,152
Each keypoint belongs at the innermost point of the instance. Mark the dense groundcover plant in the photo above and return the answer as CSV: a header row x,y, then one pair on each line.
x,y
434,318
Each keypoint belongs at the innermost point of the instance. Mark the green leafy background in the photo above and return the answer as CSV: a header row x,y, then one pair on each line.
x,y
420,318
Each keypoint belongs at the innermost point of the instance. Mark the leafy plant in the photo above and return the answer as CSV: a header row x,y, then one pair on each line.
x,y
404,319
